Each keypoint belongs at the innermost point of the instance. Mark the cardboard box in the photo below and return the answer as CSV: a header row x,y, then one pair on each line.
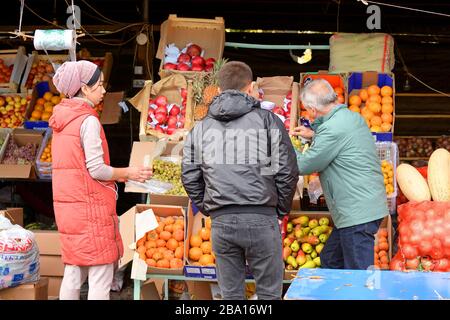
x,y
359,80
21,137
48,242
275,90
15,215
51,265
28,291
334,79
54,285
209,34
170,88
34,58
131,230
17,58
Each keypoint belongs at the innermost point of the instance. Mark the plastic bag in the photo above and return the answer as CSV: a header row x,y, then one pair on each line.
x,y
314,190
19,255
151,186
424,240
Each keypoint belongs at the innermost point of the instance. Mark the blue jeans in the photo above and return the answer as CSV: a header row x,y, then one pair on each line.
x,y
255,238
351,247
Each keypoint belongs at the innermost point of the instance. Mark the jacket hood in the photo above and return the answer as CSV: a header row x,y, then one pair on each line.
x,y
67,111
231,104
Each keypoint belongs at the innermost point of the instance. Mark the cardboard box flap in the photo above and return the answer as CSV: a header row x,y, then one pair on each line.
x,y
111,110
369,78
140,100
48,242
126,229
209,34
15,215
275,88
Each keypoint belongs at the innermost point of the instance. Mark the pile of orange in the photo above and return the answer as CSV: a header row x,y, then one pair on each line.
x,y
164,246
47,153
376,105
381,254
43,109
200,251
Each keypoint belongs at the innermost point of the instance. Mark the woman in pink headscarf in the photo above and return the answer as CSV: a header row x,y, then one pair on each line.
x,y
84,191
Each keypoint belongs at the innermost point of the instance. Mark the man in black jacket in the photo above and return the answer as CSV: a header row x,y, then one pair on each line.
x,y
239,167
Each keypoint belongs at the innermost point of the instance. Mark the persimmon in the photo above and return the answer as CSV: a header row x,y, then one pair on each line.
x,y
195,241
165,235
152,235
179,253
163,263
168,255
206,247
150,244
172,244
383,246
168,228
141,249
169,220
178,235
150,262
150,252
176,263
195,253
160,243
157,256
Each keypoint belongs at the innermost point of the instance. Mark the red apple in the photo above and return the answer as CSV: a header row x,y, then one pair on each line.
x,y
289,95
278,110
183,111
183,93
171,130
198,60
287,123
210,61
197,67
172,122
162,109
209,67
161,101
161,117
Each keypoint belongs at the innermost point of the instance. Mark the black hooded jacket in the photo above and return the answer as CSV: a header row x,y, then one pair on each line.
x,y
239,159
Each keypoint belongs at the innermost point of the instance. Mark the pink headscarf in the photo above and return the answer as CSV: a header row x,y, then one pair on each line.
x,y
71,75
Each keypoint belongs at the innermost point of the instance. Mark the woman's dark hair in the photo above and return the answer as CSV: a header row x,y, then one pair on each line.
x,y
92,81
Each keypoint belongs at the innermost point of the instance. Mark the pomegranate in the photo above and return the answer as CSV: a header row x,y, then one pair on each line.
x,y
184,58
183,67
170,66
194,50
198,60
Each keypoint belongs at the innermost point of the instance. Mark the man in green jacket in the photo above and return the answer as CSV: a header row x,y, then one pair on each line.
x,y
343,153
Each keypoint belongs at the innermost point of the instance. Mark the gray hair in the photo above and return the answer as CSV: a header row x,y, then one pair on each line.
x,y
318,94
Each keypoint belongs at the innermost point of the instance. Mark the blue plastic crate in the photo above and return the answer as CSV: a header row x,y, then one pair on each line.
x,y
355,80
36,125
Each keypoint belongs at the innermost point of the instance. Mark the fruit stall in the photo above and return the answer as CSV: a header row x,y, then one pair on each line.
x,y
167,240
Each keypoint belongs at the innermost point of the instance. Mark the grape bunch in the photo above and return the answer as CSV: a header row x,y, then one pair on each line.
x,y
19,155
168,171
296,143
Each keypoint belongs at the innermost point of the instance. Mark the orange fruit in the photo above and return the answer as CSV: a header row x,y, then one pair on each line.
x,y
160,227
178,235
36,114
150,262
168,227
181,243
385,127
339,90
387,99
140,242
177,226
375,129
386,117
382,253
55,100
205,234
367,122
354,108
39,107
387,108
383,246
141,249
163,263
376,121
45,116
150,244
363,95
179,253
142,256
374,98
206,259
40,101
176,263
374,107
340,98
373,89
150,252
172,244
366,113
376,249
206,247
195,253
165,235
355,100
386,91
47,96
195,241
152,235
160,243
169,220
48,109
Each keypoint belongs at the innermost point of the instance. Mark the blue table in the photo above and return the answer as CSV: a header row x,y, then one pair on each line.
x,y
328,284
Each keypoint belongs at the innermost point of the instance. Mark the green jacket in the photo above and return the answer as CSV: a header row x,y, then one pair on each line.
x,y
343,152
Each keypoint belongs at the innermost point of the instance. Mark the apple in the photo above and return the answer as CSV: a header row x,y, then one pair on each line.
x,y
161,117
170,66
183,111
183,94
183,67
172,122
175,110
181,121
209,67
171,130
278,110
161,101
287,123
210,61
198,60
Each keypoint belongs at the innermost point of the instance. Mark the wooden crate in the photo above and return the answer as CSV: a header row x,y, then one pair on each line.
x,y
17,58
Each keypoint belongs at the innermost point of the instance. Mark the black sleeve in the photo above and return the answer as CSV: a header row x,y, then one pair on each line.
x,y
191,172
284,164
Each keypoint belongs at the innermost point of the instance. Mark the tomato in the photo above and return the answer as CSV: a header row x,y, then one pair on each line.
x,y
425,248
412,264
397,265
409,251
442,265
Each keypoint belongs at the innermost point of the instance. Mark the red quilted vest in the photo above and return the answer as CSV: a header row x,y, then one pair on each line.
x,y
85,210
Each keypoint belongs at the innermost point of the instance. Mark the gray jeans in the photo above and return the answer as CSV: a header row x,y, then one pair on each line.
x,y
252,237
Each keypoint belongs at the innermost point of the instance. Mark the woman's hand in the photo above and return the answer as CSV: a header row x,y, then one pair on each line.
x,y
303,132
140,174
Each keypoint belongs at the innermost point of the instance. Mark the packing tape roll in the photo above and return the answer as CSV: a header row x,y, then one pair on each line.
x,y
54,39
